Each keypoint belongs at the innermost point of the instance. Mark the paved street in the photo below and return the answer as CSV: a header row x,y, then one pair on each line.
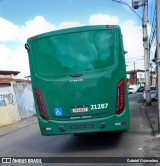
x,y
28,142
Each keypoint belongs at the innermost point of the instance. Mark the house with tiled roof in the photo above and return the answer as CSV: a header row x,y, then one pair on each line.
x,y
7,77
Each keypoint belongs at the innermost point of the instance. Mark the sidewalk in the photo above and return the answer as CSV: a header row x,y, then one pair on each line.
x,y
151,144
152,114
17,126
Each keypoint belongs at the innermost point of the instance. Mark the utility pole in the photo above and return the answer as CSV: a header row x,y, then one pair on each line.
x,y
146,54
135,73
158,57
135,5
151,74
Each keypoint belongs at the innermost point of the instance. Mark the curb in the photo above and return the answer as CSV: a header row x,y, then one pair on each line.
x,y
17,126
143,107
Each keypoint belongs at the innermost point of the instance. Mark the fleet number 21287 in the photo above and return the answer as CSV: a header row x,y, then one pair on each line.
x,y
99,106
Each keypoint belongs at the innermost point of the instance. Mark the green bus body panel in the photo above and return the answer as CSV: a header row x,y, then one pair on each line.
x,y
79,67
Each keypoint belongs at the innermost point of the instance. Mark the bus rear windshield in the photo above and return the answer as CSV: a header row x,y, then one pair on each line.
x,y
74,52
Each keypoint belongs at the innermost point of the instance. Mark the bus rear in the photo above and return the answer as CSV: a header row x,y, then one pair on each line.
x,y
79,80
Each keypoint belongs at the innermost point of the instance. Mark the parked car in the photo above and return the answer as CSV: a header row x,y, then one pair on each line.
x,y
153,93
132,89
140,89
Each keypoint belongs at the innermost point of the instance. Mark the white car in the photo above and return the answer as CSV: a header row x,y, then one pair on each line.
x,y
153,93
132,89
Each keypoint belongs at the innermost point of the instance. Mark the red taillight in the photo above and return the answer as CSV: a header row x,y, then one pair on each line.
x,y
120,99
110,26
40,103
123,123
34,37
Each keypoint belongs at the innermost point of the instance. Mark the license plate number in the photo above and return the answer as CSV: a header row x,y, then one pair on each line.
x,y
80,109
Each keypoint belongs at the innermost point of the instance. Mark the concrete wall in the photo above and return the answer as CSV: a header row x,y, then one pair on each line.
x,y
16,102
8,107
24,98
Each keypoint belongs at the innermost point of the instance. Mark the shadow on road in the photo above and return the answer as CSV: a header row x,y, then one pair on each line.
x,y
100,141
70,145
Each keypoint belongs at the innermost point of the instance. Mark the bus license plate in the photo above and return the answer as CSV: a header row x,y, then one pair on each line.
x,y
80,109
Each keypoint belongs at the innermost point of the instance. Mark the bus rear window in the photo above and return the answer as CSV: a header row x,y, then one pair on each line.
x,y
74,52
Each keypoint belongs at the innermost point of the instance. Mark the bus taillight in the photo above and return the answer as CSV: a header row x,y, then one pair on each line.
x,y
34,37
120,98
110,26
41,106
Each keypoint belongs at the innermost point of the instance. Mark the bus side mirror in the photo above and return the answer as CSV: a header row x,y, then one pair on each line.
x,y
125,52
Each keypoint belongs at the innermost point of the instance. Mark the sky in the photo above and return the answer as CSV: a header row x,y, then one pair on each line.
x,y
21,19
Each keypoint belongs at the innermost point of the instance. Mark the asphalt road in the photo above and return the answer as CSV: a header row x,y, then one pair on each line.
x,y
28,142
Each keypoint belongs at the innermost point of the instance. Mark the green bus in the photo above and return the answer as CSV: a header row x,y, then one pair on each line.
x,y
79,80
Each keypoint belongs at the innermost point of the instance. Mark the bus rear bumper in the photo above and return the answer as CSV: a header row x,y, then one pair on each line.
x,y
110,123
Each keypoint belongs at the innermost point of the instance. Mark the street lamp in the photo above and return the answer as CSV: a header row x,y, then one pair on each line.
x,y
119,1
135,4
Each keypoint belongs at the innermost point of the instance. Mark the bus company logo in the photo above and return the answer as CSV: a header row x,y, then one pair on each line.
x,y
6,160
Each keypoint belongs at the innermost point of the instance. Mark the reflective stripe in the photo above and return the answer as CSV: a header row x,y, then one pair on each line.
x,y
117,124
48,128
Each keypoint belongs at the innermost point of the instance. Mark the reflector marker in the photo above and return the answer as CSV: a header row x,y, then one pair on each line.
x,y
46,129
120,123
117,124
